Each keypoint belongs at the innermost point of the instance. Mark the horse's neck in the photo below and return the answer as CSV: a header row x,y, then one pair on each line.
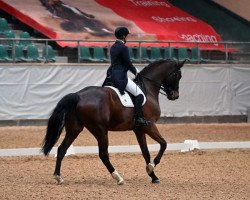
x,y
153,82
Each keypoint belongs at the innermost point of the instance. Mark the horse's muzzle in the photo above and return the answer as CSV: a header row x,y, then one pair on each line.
x,y
173,95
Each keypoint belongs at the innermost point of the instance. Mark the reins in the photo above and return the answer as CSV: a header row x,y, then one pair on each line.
x,y
159,86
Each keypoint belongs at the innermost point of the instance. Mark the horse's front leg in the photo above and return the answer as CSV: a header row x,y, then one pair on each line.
x,y
141,138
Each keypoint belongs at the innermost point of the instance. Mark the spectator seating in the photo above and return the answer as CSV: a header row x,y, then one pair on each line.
x,y
183,54
48,54
4,56
32,54
25,35
169,53
134,54
155,54
18,54
144,54
9,35
195,57
85,54
99,55
3,25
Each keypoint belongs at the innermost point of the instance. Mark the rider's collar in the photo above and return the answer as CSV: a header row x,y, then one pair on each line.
x,y
118,40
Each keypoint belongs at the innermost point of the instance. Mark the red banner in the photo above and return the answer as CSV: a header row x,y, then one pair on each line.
x,y
96,20
160,18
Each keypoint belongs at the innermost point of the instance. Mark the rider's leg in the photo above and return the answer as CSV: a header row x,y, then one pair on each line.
x,y
134,89
139,99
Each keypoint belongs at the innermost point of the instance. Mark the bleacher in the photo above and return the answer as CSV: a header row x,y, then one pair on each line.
x,y
22,45
18,46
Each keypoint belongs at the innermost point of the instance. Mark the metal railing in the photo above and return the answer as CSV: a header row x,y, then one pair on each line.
x,y
225,52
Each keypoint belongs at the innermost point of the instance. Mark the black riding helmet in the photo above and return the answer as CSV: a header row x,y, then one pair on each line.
x,y
120,32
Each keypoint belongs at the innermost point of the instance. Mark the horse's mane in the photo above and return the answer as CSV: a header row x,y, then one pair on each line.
x,y
158,62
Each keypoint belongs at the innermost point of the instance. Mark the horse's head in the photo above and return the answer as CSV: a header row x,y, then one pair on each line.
x,y
165,75
171,81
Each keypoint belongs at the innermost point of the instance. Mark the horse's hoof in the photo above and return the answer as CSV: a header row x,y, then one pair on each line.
x,y
116,176
121,182
150,168
59,179
156,181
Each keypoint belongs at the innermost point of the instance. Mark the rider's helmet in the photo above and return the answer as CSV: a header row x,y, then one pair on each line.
x,y
121,31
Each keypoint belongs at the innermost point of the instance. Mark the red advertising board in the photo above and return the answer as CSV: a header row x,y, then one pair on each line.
x,y
167,22
96,20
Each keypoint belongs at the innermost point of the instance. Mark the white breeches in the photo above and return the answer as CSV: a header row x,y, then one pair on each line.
x,y
134,89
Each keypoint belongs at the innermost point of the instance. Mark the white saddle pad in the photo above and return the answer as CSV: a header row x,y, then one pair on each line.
x,y
125,99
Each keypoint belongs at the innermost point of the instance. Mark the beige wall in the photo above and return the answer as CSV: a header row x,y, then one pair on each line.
x,y
239,7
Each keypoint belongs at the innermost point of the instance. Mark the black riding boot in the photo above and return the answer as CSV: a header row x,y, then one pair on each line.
x,y
139,117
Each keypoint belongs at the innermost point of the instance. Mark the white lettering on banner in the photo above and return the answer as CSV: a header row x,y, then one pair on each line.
x,y
173,19
200,38
149,3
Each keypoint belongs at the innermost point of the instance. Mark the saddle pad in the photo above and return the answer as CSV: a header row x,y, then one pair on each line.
x,y
125,99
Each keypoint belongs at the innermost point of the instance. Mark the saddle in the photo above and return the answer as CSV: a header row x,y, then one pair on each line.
x,y
126,99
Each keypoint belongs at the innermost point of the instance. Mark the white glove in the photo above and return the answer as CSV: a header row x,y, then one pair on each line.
x,y
137,70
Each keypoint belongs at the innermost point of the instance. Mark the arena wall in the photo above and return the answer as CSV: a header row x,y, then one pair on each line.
x,y
31,91
241,8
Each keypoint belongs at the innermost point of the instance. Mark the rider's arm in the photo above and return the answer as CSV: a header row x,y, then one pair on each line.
x,y
128,62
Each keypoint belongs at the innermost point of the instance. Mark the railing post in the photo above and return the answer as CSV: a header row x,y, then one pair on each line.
x,y
46,47
226,52
13,51
169,50
78,51
140,53
108,53
199,52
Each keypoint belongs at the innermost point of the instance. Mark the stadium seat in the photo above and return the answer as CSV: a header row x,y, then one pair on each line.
x,y
10,35
48,54
195,57
85,54
99,55
155,54
144,54
25,35
133,54
33,54
183,54
18,55
169,53
194,54
3,25
4,57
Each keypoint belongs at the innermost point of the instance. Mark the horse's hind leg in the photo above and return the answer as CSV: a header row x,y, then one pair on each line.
x,y
102,139
71,134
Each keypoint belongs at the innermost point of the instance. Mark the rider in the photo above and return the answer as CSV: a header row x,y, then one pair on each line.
x,y
120,64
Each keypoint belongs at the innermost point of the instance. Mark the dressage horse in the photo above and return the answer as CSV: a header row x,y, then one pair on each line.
x,y
100,110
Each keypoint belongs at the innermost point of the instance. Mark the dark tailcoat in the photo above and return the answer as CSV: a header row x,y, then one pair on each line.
x,y
120,64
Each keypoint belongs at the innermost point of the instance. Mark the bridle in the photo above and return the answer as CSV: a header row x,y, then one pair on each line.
x,y
175,73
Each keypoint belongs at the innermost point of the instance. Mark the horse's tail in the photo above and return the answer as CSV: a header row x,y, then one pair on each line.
x,y
57,121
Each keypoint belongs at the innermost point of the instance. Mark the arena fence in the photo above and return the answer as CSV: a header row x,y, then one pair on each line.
x,y
140,51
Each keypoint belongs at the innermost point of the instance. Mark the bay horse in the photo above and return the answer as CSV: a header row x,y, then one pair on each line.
x,y
100,110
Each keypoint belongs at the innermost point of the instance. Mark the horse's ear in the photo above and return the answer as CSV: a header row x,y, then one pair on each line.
x,y
181,63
